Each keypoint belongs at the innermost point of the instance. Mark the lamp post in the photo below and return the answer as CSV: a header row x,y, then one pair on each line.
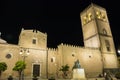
x,y
118,56
119,51
24,52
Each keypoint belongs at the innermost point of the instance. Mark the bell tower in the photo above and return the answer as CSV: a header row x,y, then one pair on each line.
x,y
97,34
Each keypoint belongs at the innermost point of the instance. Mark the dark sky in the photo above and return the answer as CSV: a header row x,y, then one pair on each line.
x,y
60,19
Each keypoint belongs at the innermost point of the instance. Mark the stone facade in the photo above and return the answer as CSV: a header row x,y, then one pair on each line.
x,y
97,54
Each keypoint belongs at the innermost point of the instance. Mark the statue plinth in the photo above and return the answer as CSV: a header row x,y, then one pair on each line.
x,y
78,73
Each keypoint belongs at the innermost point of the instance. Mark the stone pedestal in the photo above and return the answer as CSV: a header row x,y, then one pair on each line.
x,y
79,74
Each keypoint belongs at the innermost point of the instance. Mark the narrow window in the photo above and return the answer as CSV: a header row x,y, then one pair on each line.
x,y
98,14
53,59
89,16
107,45
34,41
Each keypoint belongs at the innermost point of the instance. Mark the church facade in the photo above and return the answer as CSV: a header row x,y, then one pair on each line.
x,y
97,54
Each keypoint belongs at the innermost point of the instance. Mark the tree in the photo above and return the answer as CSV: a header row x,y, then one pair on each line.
x,y
64,69
3,67
19,66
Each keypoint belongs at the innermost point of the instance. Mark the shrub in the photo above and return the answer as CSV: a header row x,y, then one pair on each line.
x,y
3,67
117,75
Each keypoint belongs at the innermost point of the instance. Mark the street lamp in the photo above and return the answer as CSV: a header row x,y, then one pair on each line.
x,y
118,56
24,52
118,51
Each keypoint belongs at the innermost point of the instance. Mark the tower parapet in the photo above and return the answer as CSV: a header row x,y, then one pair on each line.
x,y
32,39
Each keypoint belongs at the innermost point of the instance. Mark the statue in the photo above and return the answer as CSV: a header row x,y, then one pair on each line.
x,y
76,65
78,72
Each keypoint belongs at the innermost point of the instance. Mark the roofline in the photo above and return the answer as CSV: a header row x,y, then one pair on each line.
x,y
91,5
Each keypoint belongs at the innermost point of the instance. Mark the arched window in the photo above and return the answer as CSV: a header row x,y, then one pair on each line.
x,y
98,14
104,31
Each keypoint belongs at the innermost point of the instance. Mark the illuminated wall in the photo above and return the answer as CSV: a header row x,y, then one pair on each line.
x,y
97,54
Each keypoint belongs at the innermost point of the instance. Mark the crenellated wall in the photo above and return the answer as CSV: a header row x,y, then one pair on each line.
x,y
90,58
97,54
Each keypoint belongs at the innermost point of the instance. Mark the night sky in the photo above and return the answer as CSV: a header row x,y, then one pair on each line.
x,y
60,19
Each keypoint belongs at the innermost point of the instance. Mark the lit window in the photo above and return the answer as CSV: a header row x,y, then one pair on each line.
x,y
98,13
103,17
85,20
89,16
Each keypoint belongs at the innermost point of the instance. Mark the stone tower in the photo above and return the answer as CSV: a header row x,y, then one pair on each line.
x,y
33,39
97,34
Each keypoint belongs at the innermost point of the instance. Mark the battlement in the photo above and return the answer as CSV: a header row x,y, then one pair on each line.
x,y
74,46
52,49
69,45
33,31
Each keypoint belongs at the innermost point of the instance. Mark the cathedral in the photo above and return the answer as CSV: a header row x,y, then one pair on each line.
x,y
97,54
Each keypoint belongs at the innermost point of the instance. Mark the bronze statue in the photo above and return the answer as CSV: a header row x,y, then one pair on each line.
x,y
76,65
